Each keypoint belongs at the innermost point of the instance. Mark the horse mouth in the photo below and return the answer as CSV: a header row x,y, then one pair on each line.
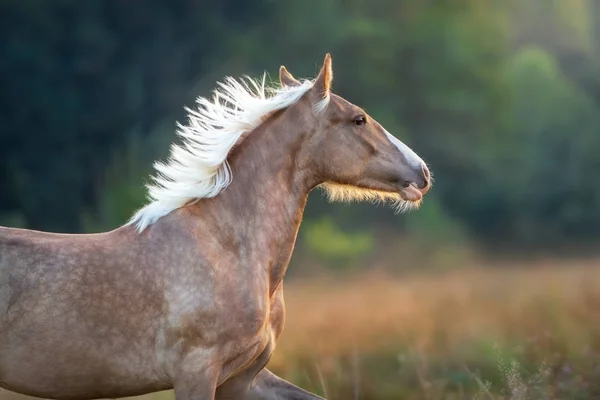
x,y
411,193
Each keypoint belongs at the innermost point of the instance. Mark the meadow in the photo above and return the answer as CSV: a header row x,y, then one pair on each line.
x,y
485,332
501,332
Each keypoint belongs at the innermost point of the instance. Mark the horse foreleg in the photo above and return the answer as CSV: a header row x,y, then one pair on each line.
x,y
258,383
264,386
268,386
194,387
195,379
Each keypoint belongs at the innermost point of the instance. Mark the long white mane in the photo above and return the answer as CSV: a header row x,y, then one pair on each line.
x,y
197,167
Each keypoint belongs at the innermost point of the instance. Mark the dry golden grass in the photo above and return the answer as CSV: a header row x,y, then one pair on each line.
x,y
417,332
440,311
434,336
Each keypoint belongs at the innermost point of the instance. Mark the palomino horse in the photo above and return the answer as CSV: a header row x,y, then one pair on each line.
x,y
188,295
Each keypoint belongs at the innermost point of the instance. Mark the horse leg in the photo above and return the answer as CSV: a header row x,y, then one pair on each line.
x,y
238,386
268,386
258,383
195,379
195,387
264,386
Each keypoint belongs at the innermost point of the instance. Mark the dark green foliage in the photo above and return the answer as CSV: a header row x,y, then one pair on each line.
x,y
501,98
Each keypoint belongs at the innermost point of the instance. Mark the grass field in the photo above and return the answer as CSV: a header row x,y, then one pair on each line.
x,y
525,332
532,332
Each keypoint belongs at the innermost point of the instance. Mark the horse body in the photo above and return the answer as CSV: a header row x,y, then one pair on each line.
x,y
112,314
191,298
77,319
91,317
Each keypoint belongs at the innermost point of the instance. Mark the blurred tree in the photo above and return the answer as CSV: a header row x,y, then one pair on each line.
x,y
500,97
78,76
554,144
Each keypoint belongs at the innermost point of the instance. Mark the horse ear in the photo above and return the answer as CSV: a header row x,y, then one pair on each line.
x,y
286,79
325,77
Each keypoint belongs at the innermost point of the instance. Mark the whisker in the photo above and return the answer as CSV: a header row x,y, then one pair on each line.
x,y
345,193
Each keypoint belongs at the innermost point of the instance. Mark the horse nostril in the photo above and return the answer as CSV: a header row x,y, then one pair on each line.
x,y
426,173
426,177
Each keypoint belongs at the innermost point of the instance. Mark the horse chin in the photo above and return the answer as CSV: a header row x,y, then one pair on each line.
x,y
400,200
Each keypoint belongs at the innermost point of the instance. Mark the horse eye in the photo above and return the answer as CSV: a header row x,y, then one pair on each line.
x,y
360,120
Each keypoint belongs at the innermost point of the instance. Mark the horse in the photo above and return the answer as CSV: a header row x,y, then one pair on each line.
x,y
188,294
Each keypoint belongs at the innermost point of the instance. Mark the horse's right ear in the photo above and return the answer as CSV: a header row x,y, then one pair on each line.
x,y
322,83
286,78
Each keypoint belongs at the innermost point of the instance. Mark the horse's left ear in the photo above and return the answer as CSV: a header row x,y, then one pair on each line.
x,y
323,81
287,79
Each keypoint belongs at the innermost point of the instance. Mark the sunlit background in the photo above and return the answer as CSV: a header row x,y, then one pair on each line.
x,y
491,289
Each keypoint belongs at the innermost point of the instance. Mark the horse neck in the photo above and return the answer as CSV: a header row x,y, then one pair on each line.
x,y
263,206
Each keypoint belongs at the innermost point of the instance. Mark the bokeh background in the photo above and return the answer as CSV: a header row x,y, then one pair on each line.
x,y
490,290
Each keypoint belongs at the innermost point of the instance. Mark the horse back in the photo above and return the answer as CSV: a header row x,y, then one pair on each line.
x,y
22,246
